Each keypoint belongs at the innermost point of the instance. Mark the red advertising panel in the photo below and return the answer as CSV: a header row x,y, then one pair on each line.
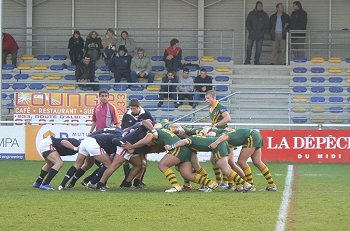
x,y
326,146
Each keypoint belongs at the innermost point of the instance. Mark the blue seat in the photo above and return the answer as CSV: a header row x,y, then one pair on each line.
x,y
318,89
11,96
10,105
220,97
191,68
189,58
299,89
43,57
224,59
336,109
151,107
348,99
104,68
21,76
3,95
317,99
139,97
36,86
6,76
299,70
207,68
348,89
347,60
335,79
300,59
56,67
299,119
157,58
137,88
317,70
300,79
105,86
105,77
221,88
71,67
19,86
336,99
158,68
151,97
317,79
166,107
8,67
5,86
222,78
336,89
69,77
120,87
59,57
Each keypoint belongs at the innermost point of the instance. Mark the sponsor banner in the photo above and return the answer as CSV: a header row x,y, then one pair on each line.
x,y
12,145
326,146
61,107
34,134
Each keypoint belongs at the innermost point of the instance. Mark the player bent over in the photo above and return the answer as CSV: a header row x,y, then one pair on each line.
x,y
52,149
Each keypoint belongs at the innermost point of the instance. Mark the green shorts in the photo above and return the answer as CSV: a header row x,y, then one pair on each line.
x,y
254,141
183,153
220,151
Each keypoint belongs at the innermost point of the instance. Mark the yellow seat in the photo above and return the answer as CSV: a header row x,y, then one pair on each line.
x,y
317,60
41,67
334,60
299,109
223,69
208,59
38,77
52,87
299,99
318,109
337,121
153,88
24,67
27,57
69,87
55,77
158,78
348,70
185,108
348,80
318,121
334,70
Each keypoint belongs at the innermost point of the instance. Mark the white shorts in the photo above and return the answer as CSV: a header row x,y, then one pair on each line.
x,y
90,147
123,153
46,145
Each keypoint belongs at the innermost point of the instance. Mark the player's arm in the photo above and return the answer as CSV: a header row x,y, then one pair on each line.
x,y
221,139
93,126
69,145
144,141
226,118
147,124
178,144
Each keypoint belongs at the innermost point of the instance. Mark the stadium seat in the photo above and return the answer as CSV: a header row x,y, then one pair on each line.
x,y
43,57
299,119
41,67
336,99
221,88
336,121
186,119
151,107
222,78
318,89
300,79
105,77
59,57
139,97
191,68
335,70
299,99
348,70
3,95
71,67
105,86
218,97
136,88
190,59
299,70
11,96
336,89
300,59
69,77
317,121
317,60
37,77
223,59
348,80
347,60
8,67
55,77
317,99
104,68
19,86
36,86
299,109
334,60
207,58
318,109
158,78
299,89
348,89
120,87
52,87
207,68
27,57
151,97
317,79
317,70
153,88
223,69
168,107
157,58
5,86
336,109
24,67
56,67
69,87
335,79
9,105
6,76
21,76
158,68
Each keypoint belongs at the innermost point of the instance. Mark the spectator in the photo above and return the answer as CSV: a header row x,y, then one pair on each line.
x,y
185,87
109,45
76,48
257,25
85,71
141,67
298,21
9,46
168,91
203,78
278,25
105,114
173,56
93,46
129,43
120,65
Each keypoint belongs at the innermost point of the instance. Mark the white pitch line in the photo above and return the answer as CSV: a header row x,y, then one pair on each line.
x,y
287,194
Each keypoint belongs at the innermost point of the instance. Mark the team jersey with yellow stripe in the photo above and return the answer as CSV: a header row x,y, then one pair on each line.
x,y
216,113
201,143
245,137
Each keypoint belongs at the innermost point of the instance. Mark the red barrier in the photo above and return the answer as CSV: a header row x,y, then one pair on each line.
x,y
316,146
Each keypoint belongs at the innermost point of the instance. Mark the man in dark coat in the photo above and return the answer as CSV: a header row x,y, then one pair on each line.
x,y
120,65
298,21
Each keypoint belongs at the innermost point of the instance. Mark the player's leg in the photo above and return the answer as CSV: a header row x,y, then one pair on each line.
x,y
43,172
136,162
71,171
242,162
165,165
55,158
185,169
265,171
217,172
81,171
138,181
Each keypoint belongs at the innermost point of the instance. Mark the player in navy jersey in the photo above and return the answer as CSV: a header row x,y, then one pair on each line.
x,y
52,149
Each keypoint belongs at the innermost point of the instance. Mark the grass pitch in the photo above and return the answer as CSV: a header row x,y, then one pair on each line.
x,y
319,202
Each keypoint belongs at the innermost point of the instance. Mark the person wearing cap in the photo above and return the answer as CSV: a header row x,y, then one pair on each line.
x,y
200,90
173,55
9,46
126,41
120,65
